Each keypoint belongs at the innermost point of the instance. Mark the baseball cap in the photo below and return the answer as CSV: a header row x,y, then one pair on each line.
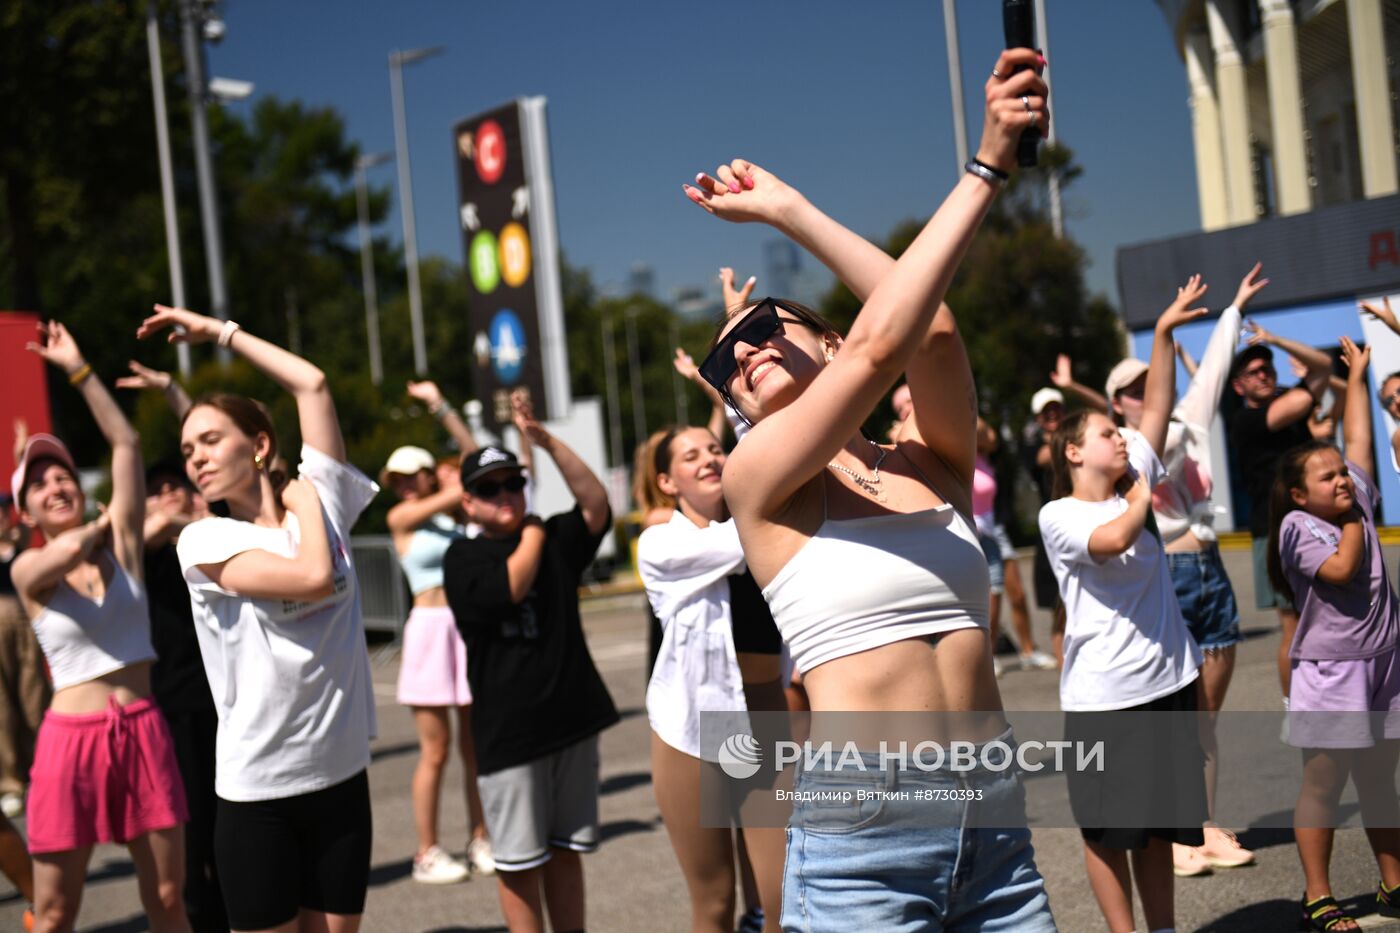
x,y
1123,375
1248,355
407,461
1045,397
38,447
487,460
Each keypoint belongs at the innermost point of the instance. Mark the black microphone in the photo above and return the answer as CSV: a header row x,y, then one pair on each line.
x,y
1018,25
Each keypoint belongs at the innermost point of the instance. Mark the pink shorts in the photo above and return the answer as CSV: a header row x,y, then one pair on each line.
x,y
433,663
103,777
1344,704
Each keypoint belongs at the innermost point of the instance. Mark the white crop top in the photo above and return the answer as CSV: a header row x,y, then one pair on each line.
x,y
84,639
861,583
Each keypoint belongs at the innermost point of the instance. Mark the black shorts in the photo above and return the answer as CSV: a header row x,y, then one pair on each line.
x,y
1153,773
755,632
310,851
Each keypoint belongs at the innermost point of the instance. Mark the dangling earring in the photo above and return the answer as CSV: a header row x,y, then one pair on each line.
x,y
257,462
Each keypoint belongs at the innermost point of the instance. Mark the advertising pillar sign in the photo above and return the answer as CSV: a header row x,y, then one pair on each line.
x,y
506,211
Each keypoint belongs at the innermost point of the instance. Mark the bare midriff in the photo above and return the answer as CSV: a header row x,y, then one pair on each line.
x,y
1185,544
759,668
435,598
944,674
127,684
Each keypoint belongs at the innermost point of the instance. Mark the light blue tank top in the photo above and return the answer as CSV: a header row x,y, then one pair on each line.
x,y
423,562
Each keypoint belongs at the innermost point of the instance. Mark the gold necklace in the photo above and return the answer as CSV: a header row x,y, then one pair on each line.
x,y
870,485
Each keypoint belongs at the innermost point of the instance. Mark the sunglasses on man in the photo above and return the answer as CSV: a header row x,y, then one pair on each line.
x,y
1259,372
490,488
761,323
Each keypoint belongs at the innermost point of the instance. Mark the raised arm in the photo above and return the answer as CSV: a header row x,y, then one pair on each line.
x,y
734,297
429,394
143,377
127,507
1356,422
404,517
903,318
1063,379
685,365
1382,313
1161,369
586,488
315,408
1188,362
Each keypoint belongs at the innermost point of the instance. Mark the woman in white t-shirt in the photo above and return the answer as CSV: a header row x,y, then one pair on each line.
x,y
1126,644
277,612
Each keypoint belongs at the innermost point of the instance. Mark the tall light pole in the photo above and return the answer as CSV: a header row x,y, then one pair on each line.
x,y
950,35
1057,218
634,374
376,358
190,22
614,407
397,60
678,388
167,178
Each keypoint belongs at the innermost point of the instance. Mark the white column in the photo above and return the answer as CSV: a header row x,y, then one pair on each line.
x,y
1234,115
1205,131
1293,194
1374,122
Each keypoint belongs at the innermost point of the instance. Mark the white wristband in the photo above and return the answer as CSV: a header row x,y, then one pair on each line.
x,y
225,335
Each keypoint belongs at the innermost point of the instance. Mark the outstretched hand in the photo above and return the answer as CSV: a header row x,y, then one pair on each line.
x,y
1254,335
143,377
426,392
1250,286
1382,313
685,365
742,192
1356,358
523,414
734,297
57,347
189,327
1062,377
1180,311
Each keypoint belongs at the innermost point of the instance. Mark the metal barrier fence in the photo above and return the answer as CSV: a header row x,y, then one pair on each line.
x,y
384,597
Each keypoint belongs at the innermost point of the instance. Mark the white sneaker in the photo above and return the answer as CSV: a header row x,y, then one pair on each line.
x,y
12,805
480,858
1038,661
437,867
998,666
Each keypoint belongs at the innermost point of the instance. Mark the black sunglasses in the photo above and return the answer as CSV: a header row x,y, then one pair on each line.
x,y
757,326
490,488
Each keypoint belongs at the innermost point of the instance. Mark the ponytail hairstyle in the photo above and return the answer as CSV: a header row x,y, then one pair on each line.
x,y
1070,431
645,488
252,418
1292,472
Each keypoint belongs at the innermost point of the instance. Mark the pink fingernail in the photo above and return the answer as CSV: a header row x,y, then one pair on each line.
x,y
699,176
734,187
748,183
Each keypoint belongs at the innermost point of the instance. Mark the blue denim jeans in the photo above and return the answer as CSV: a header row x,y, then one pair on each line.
x,y
1206,597
916,865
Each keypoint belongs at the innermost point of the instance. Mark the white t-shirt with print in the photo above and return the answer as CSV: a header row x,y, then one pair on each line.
x,y
290,680
1126,642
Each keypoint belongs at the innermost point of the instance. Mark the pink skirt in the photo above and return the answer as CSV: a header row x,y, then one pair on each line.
x,y
103,777
433,663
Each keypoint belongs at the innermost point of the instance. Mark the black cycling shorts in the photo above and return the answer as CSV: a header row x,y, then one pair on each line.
x,y
312,851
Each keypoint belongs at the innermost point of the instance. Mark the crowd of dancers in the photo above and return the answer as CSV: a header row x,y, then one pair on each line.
x,y
212,707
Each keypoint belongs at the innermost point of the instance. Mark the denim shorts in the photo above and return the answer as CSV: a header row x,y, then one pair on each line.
x,y
1206,597
917,865
996,569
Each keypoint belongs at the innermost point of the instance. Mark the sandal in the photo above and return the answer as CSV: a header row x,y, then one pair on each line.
x,y
1388,900
1323,915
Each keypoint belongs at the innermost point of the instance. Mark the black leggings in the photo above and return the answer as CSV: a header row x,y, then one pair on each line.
x,y
311,851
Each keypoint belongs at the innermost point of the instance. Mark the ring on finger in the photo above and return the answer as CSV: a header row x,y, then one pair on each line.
x,y
1026,102
1035,117
997,74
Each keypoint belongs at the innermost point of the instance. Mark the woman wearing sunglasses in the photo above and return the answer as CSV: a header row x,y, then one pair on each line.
x,y
867,554
276,608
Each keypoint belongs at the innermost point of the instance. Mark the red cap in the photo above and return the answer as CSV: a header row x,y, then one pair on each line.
x,y
38,447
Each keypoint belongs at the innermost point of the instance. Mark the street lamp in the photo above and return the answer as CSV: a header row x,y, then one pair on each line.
x,y
634,375
376,360
167,179
397,59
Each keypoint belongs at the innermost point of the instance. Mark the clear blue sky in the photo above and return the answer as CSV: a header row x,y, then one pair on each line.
x,y
847,101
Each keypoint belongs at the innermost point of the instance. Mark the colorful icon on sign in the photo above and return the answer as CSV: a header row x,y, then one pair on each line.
x,y
507,346
515,254
486,274
490,151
